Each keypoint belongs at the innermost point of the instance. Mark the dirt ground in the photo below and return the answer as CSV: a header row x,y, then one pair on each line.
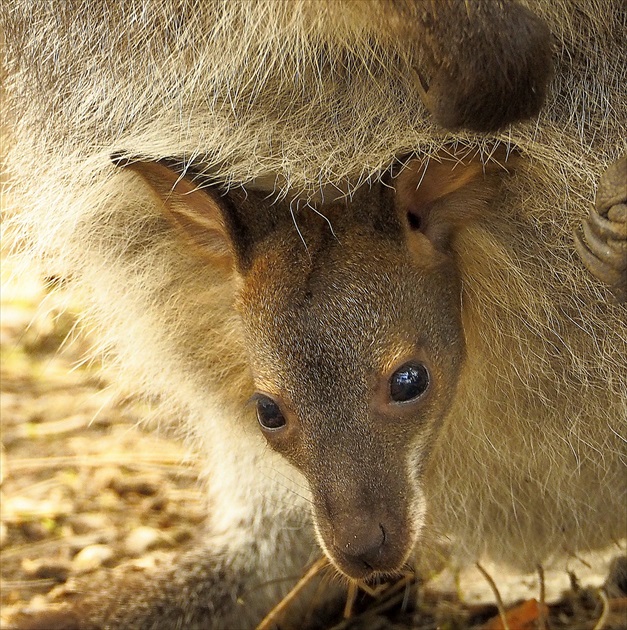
x,y
87,483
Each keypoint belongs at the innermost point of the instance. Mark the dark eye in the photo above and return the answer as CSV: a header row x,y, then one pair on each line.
x,y
269,414
410,381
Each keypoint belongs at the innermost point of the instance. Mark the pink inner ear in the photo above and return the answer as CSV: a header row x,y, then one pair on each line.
x,y
192,210
437,198
420,184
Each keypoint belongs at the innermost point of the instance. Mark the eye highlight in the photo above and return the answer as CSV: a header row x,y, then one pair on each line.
x,y
409,382
269,413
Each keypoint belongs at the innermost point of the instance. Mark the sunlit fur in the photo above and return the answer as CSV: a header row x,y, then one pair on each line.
x,y
530,461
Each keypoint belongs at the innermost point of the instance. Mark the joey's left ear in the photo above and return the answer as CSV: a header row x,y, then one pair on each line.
x,y
199,213
439,195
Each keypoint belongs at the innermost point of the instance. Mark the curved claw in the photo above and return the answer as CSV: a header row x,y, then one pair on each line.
x,y
605,272
613,227
609,251
612,190
618,213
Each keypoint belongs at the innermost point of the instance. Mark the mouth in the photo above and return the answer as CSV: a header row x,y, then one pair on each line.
x,y
366,559
363,571
387,565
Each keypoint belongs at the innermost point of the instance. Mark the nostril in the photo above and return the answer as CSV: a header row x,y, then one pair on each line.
x,y
383,533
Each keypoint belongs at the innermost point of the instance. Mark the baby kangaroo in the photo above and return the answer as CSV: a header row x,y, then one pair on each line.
x,y
372,373
352,320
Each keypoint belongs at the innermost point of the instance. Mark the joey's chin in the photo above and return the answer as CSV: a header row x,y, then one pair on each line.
x,y
356,569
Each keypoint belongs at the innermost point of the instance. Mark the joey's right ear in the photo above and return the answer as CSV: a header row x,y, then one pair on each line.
x,y
437,197
199,213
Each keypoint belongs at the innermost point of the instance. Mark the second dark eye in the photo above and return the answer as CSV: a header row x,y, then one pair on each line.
x,y
269,414
409,382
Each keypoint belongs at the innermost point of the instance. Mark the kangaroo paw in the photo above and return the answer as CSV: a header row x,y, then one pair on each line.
x,y
602,241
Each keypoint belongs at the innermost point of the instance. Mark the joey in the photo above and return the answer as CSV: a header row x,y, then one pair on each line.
x,y
353,330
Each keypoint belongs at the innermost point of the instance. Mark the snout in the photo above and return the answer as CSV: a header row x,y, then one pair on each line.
x,y
362,544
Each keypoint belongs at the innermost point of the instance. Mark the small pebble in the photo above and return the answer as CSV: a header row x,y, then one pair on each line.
x,y
143,539
46,569
34,530
89,522
108,500
91,558
146,485
101,537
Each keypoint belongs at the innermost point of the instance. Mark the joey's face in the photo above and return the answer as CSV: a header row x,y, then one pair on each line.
x,y
355,346
354,333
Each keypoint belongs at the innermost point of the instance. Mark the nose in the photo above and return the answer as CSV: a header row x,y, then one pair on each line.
x,y
359,538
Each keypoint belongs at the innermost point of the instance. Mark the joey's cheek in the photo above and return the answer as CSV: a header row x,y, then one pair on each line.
x,y
287,442
411,410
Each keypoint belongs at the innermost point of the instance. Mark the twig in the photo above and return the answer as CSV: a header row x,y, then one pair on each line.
x,y
130,460
376,591
405,602
315,601
351,596
401,584
542,607
270,618
605,613
392,598
497,596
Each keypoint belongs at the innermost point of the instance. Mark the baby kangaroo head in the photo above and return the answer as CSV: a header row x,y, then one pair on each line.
x,y
352,318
